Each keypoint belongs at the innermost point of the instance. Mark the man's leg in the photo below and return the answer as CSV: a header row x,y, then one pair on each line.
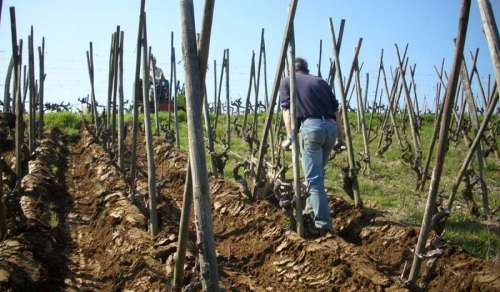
x,y
312,134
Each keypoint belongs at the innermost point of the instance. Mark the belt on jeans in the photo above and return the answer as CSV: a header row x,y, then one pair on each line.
x,y
317,118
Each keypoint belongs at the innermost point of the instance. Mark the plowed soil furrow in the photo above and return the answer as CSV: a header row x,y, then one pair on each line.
x,y
84,231
79,212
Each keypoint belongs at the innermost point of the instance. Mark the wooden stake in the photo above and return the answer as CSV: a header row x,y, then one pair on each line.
x,y
136,96
274,94
350,151
201,192
153,217
41,60
121,121
295,139
443,142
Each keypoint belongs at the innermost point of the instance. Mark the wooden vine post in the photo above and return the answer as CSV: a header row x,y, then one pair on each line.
x,y
176,119
90,63
274,95
247,101
203,50
228,102
114,106
362,122
149,135
443,142
493,39
137,94
469,96
345,119
155,95
295,139
41,60
110,87
197,160
32,96
6,92
121,120
17,96
411,112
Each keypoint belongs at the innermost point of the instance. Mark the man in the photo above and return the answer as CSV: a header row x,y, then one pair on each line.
x,y
157,73
320,124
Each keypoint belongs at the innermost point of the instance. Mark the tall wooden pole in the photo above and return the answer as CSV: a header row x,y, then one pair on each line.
x,y
121,122
149,134
90,63
17,95
203,50
114,107
197,160
247,100
443,141
41,58
345,119
228,103
136,96
31,106
270,108
295,139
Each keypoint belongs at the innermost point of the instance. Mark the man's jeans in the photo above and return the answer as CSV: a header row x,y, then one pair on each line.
x,y
317,138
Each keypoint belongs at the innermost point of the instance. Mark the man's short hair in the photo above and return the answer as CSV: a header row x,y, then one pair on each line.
x,y
301,65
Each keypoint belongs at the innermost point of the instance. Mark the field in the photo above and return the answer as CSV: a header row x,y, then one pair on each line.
x,y
80,229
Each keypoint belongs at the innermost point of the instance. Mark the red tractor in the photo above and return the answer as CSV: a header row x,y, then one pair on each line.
x,y
164,101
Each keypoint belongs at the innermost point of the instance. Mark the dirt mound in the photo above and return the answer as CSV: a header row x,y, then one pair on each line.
x,y
85,231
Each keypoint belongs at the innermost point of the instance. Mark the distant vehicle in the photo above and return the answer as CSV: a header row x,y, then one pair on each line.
x,y
163,100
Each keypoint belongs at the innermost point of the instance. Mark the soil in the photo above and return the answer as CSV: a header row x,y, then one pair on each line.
x,y
78,229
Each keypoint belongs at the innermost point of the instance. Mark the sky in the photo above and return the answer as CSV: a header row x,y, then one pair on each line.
x,y
428,27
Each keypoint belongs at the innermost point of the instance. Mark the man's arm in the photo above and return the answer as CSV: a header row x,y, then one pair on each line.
x,y
162,76
338,121
288,121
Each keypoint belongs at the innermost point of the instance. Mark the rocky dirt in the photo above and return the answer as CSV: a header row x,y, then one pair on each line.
x,y
82,232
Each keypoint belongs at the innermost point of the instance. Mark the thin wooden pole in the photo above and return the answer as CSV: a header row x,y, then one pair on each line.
x,y
180,258
115,86
110,82
411,112
136,96
295,140
475,128
121,121
6,93
443,142
90,63
228,103
176,119
41,60
270,108
173,82
203,50
155,95
149,135
361,114
17,95
350,151
197,160
31,107
247,101
218,102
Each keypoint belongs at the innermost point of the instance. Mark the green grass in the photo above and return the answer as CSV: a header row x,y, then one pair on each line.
x,y
389,189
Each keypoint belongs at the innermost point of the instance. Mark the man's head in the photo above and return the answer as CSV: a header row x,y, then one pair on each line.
x,y
301,65
154,61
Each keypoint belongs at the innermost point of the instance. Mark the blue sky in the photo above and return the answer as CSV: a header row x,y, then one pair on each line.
x,y
427,26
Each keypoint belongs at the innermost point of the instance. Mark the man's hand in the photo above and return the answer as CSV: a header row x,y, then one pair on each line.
x,y
340,145
287,144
